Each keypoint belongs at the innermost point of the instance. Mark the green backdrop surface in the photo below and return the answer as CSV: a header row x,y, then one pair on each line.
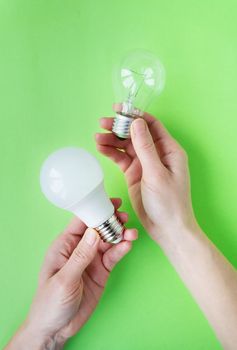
x,y
56,59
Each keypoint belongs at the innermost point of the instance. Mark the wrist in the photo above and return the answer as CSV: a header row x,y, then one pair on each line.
x,y
27,338
176,234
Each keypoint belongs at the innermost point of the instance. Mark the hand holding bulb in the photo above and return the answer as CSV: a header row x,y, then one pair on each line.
x,y
156,171
71,282
78,263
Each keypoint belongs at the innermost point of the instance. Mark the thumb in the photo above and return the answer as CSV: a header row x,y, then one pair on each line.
x,y
81,257
144,147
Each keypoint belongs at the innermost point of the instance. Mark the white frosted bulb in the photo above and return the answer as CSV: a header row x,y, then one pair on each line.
x,y
137,79
72,179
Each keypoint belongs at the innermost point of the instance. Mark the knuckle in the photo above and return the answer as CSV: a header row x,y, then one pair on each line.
x,y
68,245
162,175
60,283
147,146
80,256
183,154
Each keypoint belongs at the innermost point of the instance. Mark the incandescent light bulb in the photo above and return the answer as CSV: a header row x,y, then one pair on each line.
x,y
137,79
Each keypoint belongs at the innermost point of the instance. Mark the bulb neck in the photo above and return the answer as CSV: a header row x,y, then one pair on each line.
x,y
124,118
121,125
111,231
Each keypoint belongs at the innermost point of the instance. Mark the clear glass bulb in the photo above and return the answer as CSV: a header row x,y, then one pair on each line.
x,y
72,179
137,79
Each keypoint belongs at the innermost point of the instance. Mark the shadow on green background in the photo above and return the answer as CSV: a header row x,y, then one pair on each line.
x,y
56,59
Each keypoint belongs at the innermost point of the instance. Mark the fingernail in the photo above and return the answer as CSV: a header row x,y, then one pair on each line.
x,y
91,236
138,126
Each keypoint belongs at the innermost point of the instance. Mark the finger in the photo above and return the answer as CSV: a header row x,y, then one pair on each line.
x,y
75,227
157,129
57,255
117,107
81,257
98,272
160,133
61,249
110,139
171,153
113,255
167,144
145,148
123,217
117,202
106,123
130,234
103,246
121,158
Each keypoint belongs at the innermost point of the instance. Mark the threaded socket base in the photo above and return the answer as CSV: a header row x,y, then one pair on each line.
x,y
121,125
111,231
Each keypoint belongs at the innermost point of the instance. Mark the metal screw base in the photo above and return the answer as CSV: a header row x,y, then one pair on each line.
x,y
121,125
111,231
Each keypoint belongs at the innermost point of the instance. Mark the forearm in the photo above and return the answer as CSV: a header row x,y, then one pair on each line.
x,y
26,339
211,279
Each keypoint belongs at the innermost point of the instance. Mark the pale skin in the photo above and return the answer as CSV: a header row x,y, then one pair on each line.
x,y
157,175
71,283
156,170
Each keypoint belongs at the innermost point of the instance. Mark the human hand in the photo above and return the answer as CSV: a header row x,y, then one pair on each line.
x,y
71,282
156,171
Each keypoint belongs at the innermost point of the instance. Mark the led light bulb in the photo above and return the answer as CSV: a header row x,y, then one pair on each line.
x,y
138,78
72,179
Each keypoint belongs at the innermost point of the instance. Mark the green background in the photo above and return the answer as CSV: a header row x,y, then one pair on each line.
x,y
56,59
